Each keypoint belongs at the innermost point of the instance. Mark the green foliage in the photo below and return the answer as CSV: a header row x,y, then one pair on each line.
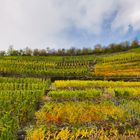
x,y
19,99
73,94
54,66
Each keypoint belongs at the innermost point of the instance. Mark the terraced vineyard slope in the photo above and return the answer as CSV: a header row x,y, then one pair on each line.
x,y
123,65
89,110
19,99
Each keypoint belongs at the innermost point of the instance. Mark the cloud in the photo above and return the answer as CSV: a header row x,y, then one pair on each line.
x,y
65,23
128,14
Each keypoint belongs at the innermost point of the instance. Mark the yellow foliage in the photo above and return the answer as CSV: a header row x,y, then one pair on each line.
x,y
37,134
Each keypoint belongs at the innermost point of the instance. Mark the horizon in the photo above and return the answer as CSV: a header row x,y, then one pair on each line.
x,y
65,24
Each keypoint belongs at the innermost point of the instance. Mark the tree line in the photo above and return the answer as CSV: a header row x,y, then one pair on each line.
x,y
97,49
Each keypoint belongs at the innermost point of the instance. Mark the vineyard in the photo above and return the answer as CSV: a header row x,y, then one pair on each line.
x,y
77,109
70,97
120,65
54,66
19,99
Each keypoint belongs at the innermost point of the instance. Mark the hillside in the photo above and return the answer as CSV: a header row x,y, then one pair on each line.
x,y
123,66
119,65
50,97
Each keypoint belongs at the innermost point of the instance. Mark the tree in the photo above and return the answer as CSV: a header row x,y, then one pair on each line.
x,y
35,52
28,51
135,44
98,49
59,52
2,53
63,51
125,45
71,51
78,51
12,51
85,51
21,52
42,52
48,50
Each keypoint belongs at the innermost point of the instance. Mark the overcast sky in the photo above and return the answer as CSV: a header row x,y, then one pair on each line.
x,y
66,23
